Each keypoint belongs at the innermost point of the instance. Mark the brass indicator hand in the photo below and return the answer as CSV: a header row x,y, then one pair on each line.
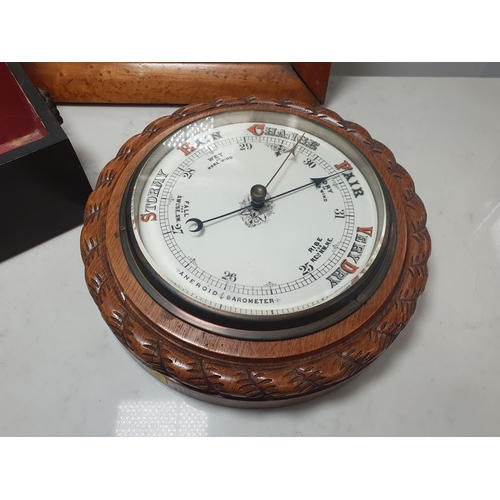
x,y
314,181
291,152
258,192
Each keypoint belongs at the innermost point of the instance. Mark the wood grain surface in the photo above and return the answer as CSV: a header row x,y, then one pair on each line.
x,y
177,83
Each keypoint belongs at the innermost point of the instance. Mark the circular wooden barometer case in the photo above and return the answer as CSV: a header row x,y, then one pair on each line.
x,y
255,252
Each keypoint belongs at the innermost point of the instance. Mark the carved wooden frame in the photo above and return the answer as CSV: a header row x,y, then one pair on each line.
x,y
243,372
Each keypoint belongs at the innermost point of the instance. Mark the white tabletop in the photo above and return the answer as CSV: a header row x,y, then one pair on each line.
x,y
63,373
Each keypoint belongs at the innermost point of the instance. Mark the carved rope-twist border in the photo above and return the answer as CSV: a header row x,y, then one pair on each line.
x,y
252,383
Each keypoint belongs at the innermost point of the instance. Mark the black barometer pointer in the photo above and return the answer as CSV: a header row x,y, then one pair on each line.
x,y
314,181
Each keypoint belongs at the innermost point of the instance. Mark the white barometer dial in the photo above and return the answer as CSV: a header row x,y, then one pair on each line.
x,y
256,218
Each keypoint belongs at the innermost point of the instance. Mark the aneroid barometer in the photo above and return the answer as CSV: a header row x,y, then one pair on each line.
x,y
254,252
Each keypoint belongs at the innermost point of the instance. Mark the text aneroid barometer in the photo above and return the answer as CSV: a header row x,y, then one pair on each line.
x,y
254,252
